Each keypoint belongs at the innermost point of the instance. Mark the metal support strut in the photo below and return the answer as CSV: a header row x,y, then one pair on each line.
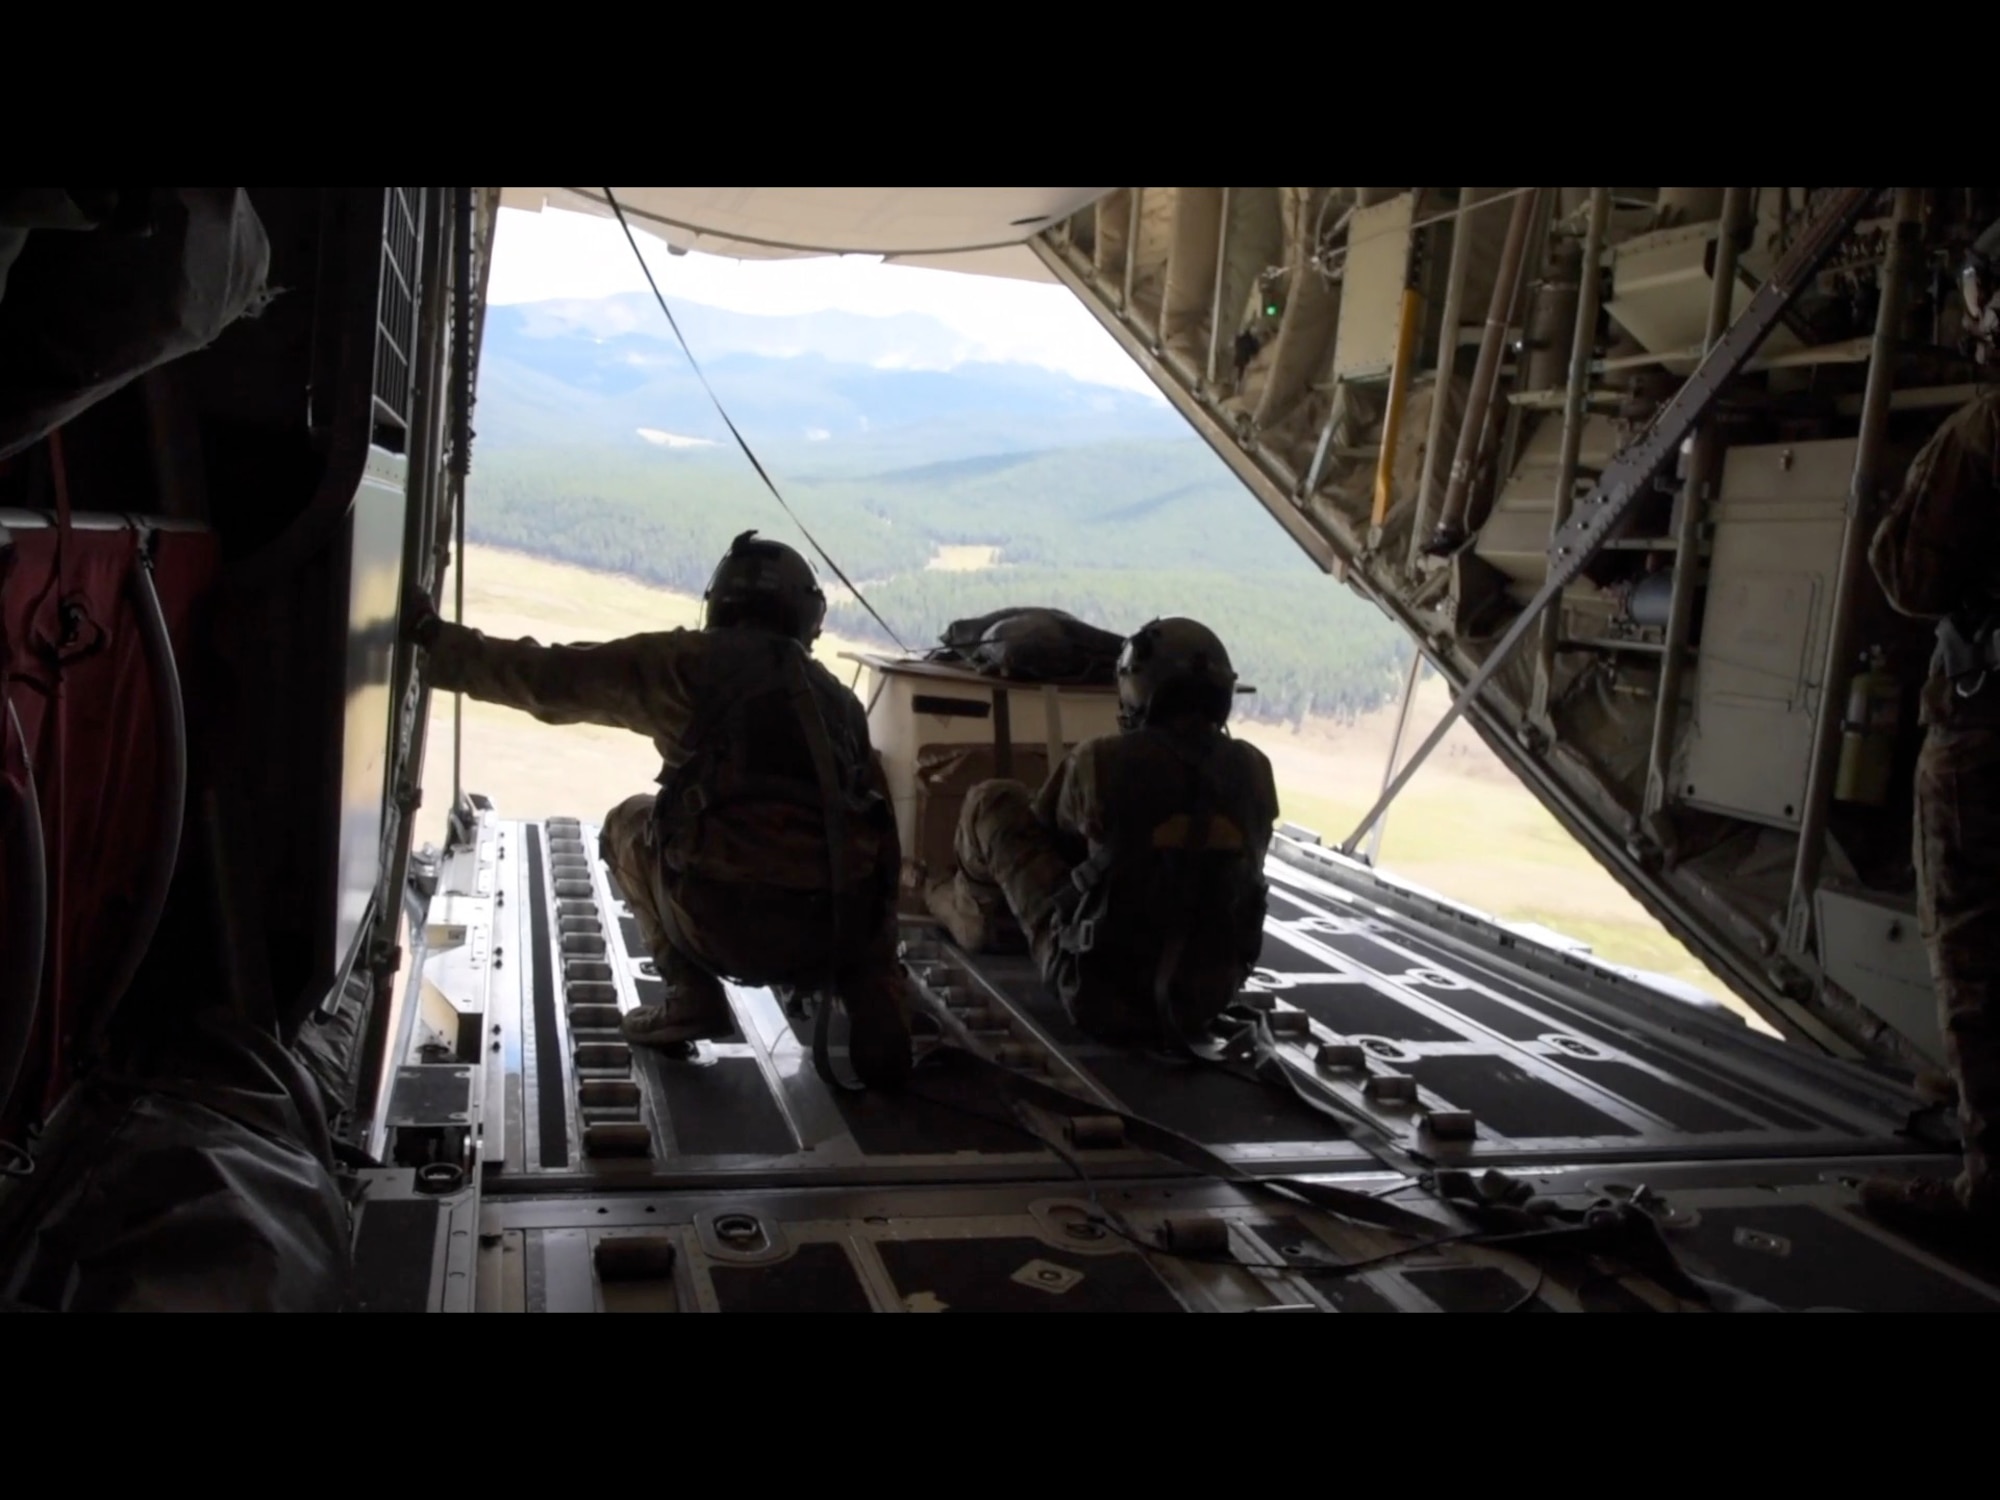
x,y
432,391
1134,204
1454,297
1583,344
1701,475
27,918
1861,497
1396,746
462,372
170,796
1620,486
1221,274
1485,376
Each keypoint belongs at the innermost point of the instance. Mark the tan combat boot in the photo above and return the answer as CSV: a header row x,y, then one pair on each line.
x,y
975,913
696,1009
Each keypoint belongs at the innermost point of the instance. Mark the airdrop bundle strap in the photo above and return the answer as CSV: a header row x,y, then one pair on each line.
x,y
1620,1232
1625,1232
1969,652
833,798
1148,1135
1200,815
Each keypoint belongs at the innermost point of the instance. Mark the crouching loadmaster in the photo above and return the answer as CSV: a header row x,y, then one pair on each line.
x,y
1136,875
770,854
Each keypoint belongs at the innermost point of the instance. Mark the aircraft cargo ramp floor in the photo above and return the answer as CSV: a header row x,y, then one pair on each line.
x,y
607,1178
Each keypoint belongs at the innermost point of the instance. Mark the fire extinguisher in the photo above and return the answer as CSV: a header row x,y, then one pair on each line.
x,y
1868,734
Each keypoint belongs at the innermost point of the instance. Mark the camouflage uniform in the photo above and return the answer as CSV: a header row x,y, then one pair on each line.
x,y
1937,552
1016,854
751,899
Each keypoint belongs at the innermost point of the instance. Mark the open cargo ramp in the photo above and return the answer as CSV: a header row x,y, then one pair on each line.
x,y
543,1165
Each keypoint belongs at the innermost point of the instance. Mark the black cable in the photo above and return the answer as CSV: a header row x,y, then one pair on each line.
x,y
1589,1283
1527,1299
611,198
1109,1219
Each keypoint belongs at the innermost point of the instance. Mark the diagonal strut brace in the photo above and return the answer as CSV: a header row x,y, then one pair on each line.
x,y
1621,484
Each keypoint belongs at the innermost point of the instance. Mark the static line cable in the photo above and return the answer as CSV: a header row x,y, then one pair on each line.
x,y
612,199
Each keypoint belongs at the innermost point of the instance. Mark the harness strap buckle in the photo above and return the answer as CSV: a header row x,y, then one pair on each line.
x,y
1968,657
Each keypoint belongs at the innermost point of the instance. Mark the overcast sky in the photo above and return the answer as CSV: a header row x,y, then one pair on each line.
x,y
553,254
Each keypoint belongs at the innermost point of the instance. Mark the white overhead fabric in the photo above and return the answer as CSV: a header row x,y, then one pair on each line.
x,y
980,231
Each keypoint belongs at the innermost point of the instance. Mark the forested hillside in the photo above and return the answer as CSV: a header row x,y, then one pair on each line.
x,y
598,449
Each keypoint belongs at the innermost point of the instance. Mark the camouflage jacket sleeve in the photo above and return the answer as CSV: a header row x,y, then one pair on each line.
x,y
644,683
1938,547
1069,802
1267,800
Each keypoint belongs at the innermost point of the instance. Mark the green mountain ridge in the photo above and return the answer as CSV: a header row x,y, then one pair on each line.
x,y
1116,535
1114,517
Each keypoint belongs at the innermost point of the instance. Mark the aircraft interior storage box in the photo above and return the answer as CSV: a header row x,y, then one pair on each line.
x,y
921,712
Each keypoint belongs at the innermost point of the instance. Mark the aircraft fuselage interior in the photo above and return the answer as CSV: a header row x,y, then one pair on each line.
x,y
1610,456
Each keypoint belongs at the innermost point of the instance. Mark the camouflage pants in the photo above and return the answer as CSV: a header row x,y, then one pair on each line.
x,y
627,847
1010,872
753,934
1958,890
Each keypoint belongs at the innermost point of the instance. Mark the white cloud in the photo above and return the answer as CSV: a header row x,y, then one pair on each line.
x,y
556,255
817,434
661,439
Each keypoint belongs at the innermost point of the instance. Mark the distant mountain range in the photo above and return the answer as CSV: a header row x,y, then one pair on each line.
x,y
859,390
598,446
589,402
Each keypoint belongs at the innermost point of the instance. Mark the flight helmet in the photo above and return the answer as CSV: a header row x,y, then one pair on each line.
x,y
1174,668
765,584
1979,284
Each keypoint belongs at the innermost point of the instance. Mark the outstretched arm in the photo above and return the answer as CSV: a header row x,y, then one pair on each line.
x,y
645,683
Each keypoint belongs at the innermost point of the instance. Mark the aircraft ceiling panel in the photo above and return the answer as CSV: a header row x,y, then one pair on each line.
x,y
946,228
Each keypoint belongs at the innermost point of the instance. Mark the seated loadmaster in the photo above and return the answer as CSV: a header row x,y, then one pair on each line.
x,y
1137,873
767,768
